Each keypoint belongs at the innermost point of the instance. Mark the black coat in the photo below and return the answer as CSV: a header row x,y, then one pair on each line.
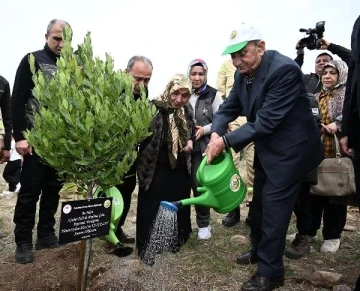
x,y
5,111
351,108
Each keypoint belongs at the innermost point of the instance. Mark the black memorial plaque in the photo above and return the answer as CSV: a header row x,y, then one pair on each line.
x,y
84,219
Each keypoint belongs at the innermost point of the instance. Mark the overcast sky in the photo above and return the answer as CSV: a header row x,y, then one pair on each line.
x,y
170,33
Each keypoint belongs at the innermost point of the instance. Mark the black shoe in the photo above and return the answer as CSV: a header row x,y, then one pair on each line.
x,y
125,239
48,242
232,218
24,254
247,259
122,251
259,283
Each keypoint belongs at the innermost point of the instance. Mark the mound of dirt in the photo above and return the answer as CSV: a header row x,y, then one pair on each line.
x,y
54,269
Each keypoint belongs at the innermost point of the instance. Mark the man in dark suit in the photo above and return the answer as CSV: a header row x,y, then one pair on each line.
x,y
350,142
269,89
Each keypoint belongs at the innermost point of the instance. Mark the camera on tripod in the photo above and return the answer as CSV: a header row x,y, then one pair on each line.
x,y
313,41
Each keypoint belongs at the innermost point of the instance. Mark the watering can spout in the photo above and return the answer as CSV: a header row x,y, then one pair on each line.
x,y
207,199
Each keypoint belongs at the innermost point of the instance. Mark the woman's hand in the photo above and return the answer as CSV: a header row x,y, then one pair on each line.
x,y
199,132
330,128
189,147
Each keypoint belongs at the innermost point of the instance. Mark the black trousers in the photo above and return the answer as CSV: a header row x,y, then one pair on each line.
x,y
271,212
333,216
36,178
126,189
11,174
202,212
356,163
302,209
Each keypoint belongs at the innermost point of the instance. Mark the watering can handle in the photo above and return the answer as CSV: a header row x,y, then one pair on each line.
x,y
203,163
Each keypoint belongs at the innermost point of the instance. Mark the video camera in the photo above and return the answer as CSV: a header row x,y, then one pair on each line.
x,y
313,41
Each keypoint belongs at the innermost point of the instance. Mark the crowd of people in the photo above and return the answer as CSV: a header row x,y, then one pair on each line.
x,y
261,107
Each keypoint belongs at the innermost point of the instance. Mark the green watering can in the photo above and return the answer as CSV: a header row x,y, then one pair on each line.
x,y
117,208
220,184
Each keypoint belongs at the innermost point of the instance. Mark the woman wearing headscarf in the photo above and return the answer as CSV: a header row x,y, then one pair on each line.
x,y
205,101
332,210
164,161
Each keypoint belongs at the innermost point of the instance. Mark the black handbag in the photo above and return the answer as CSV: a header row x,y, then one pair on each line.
x,y
335,176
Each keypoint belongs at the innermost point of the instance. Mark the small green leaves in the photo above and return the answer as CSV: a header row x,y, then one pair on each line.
x,y
89,121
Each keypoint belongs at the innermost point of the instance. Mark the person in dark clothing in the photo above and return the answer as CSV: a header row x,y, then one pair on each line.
x,y
12,170
300,245
313,80
140,68
306,231
5,138
269,88
37,177
350,141
164,164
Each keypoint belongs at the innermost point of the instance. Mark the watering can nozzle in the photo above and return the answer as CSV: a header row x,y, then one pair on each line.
x,y
173,206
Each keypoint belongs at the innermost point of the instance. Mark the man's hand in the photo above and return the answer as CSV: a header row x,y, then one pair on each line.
x,y
214,136
5,156
299,48
344,145
214,148
189,147
324,44
23,148
199,132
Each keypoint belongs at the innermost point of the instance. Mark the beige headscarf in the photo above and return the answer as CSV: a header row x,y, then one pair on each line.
x,y
178,126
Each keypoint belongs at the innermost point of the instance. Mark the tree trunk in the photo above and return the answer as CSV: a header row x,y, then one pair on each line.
x,y
85,251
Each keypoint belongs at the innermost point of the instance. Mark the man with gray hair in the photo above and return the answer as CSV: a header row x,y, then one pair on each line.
x,y
36,177
269,88
140,69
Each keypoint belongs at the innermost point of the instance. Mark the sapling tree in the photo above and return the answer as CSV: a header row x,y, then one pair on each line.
x,y
88,122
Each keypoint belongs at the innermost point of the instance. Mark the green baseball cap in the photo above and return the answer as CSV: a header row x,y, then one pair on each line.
x,y
239,38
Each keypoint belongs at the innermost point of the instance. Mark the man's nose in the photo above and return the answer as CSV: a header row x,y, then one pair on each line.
x,y
236,62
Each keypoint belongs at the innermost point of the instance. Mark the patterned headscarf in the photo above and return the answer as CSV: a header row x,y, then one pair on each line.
x,y
178,127
331,101
342,69
199,62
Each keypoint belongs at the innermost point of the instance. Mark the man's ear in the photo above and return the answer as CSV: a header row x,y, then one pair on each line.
x,y
46,36
127,71
261,47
